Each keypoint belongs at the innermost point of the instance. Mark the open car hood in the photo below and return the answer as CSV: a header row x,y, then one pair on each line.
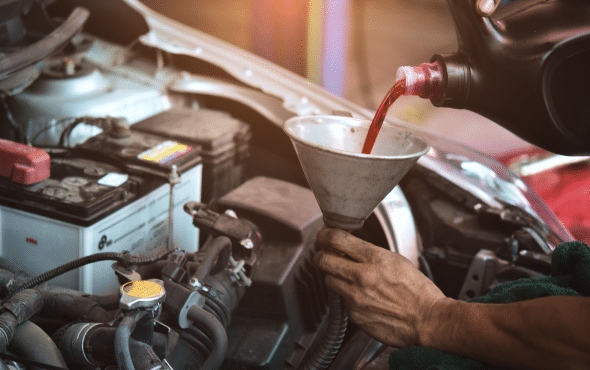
x,y
477,173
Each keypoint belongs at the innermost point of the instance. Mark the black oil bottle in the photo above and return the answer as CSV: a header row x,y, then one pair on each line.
x,y
526,67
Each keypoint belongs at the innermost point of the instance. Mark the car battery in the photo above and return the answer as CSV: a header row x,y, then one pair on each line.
x,y
97,201
224,143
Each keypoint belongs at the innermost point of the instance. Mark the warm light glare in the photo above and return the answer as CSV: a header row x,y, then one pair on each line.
x,y
314,40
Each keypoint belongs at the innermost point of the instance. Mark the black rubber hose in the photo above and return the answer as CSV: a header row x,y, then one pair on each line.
x,y
122,336
144,356
218,249
58,305
201,337
54,41
90,345
204,320
358,352
214,307
333,336
18,309
7,328
195,343
8,265
125,259
31,342
106,301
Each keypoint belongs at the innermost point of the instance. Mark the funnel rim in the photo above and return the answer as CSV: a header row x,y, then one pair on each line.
x,y
354,154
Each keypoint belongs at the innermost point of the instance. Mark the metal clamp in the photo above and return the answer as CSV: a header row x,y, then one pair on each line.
x,y
195,283
237,273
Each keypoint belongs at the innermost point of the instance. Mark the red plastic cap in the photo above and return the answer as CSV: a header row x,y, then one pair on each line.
x,y
23,164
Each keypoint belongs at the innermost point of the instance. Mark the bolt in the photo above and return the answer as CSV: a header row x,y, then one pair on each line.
x,y
247,243
69,66
231,213
485,8
238,267
195,283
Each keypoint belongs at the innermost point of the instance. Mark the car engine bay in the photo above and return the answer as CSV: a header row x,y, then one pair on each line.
x,y
175,213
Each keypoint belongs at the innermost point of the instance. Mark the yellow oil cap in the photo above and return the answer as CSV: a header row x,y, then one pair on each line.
x,y
142,293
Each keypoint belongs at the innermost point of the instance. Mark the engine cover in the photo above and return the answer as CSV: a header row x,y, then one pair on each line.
x,y
277,320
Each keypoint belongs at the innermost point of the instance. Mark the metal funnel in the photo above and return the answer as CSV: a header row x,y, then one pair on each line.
x,y
347,184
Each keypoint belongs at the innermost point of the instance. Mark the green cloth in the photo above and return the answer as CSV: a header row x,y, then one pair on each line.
x,y
570,275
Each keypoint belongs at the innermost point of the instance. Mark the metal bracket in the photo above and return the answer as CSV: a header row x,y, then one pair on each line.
x,y
483,274
237,273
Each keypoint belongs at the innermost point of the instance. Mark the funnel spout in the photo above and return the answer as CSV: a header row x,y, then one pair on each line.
x,y
348,184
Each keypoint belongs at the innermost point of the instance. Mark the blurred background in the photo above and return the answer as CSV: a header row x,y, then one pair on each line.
x,y
353,49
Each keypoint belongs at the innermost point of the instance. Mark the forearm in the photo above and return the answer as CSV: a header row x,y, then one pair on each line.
x,y
544,333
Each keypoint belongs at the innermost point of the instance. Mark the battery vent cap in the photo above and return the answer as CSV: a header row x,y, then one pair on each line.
x,y
23,164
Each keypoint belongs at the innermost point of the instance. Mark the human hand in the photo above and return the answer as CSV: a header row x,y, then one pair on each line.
x,y
384,294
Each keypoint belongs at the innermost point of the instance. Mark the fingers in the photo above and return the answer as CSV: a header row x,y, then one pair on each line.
x,y
352,298
333,264
343,242
337,285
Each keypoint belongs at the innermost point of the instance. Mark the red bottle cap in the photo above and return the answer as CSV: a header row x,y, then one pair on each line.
x,y
23,164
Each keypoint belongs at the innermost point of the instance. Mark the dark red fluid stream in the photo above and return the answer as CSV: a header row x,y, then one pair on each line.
x,y
396,91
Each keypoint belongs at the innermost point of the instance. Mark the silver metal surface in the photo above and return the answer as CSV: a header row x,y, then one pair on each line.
x,y
194,299
299,95
489,181
195,283
173,179
45,106
397,221
268,106
247,243
347,184
483,273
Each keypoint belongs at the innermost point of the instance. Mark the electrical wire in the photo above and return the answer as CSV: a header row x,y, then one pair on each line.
x,y
125,259
65,134
55,124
